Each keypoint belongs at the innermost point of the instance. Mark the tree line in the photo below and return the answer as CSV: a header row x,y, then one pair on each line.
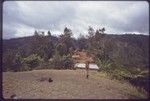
x,y
48,51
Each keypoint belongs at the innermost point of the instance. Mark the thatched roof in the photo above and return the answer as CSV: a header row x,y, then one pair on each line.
x,y
82,57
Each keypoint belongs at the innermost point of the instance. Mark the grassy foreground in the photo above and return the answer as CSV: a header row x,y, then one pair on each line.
x,y
67,84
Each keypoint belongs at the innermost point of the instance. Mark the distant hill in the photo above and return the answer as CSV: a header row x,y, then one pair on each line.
x,y
23,42
130,50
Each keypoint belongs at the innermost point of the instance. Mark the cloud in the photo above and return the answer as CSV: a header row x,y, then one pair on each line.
x,y
21,18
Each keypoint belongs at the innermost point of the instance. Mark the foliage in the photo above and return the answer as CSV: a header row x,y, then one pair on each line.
x,y
61,49
32,61
104,65
65,44
62,62
82,42
91,31
49,33
115,70
8,62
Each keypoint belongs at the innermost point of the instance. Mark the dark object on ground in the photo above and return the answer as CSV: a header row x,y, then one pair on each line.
x,y
14,96
50,80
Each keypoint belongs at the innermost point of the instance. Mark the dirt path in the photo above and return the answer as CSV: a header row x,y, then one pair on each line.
x,y
67,84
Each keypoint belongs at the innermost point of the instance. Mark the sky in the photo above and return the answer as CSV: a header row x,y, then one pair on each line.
x,y
22,18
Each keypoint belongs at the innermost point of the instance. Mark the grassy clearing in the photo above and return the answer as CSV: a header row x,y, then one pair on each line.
x,y
66,84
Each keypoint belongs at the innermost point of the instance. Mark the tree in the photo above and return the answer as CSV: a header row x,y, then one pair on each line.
x,y
36,33
8,60
66,42
49,33
48,49
42,46
43,33
82,42
67,32
18,62
91,31
95,43
61,49
98,34
91,40
103,29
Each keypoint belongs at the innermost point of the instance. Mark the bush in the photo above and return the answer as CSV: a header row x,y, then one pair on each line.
x,y
17,63
32,61
67,62
115,70
62,62
120,73
105,65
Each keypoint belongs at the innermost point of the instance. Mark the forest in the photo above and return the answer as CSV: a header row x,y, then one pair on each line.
x,y
123,56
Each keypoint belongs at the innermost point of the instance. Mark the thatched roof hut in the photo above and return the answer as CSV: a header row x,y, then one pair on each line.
x,y
82,57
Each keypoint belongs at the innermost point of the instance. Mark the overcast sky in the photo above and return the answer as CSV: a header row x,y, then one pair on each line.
x,y
22,18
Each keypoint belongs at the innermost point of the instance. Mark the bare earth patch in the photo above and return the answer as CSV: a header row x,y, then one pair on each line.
x,y
66,84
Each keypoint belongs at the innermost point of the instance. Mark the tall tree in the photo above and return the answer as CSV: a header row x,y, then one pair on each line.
x,y
43,33
67,32
35,33
82,42
66,42
91,31
91,39
49,33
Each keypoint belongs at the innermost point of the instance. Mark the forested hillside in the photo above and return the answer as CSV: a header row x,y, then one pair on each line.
x,y
127,49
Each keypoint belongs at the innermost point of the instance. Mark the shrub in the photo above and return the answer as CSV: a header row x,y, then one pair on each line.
x,y
8,60
120,73
105,65
17,63
32,61
67,62
62,62
115,70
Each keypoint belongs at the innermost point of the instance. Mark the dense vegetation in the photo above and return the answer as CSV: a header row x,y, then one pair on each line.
x,y
121,56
